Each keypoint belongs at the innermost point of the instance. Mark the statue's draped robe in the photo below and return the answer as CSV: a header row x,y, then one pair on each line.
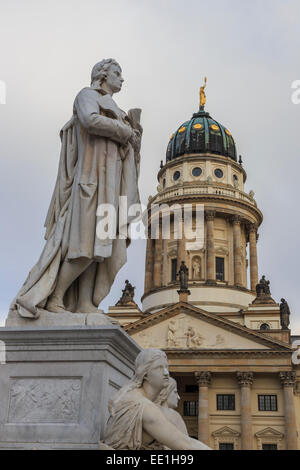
x,y
91,172
124,428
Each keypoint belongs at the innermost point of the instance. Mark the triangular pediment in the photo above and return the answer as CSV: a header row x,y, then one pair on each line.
x,y
183,326
269,432
226,431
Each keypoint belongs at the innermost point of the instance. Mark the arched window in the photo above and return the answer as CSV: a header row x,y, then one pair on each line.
x,y
264,326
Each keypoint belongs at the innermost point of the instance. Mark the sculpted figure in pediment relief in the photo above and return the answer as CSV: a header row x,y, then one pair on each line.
x,y
220,341
171,336
136,422
193,340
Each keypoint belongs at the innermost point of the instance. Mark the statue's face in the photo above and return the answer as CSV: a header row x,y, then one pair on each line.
x,y
158,375
114,79
173,399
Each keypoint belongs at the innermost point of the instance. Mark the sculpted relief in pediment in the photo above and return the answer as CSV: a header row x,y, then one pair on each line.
x,y
184,331
180,332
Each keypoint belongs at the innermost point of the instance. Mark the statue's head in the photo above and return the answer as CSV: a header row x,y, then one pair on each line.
x,y
151,365
107,75
169,395
282,300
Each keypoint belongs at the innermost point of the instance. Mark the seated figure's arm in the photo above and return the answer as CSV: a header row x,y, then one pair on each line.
x,y
158,427
87,110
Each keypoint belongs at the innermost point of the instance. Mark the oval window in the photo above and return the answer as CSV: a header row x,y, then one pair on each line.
x,y
196,171
176,175
218,173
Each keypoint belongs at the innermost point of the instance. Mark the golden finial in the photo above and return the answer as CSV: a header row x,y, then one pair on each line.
x,y
202,94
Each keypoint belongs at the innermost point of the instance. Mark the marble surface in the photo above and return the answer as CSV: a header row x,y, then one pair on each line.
x,y
56,384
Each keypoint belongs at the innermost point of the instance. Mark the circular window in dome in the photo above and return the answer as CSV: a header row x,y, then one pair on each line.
x,y
218,173
214,127
197,126
235,178
196,171
176,175
182,129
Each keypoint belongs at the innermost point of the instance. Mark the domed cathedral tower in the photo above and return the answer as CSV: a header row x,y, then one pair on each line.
x,y
201,168
228,343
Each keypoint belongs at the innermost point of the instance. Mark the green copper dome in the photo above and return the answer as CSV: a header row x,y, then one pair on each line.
x,y
200,135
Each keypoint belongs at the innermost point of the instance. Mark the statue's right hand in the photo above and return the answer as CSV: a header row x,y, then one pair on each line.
x,y
126,132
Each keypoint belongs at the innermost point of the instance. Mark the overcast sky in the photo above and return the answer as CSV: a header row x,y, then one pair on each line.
x,y
249,51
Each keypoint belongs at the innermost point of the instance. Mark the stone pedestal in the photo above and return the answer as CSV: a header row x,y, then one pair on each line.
x,y
57,382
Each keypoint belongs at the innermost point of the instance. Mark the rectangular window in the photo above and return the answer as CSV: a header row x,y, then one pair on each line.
x,y
190,408
220,269
191,389
226,446
225,402
174,269
269,447
267,402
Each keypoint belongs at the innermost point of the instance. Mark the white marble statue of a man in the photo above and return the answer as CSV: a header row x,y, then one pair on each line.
x,y
99,162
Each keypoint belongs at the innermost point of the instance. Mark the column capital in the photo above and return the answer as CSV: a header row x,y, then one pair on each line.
x,y
210,214
244,378
236,219
203,378
287,378
252,228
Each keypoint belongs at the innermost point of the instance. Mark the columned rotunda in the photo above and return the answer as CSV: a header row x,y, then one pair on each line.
x,y
227,340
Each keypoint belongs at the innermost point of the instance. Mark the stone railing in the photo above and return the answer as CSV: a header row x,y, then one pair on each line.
x,y
174,192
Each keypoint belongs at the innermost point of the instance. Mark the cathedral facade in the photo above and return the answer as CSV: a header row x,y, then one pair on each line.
x,y
228,342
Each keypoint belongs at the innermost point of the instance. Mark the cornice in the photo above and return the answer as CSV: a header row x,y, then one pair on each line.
x,y
216,198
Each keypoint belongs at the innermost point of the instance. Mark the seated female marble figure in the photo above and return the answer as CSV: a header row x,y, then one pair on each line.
x,y
135,421
168,401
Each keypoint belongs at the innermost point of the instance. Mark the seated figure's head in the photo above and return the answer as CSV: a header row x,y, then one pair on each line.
x,y
169,396
151,366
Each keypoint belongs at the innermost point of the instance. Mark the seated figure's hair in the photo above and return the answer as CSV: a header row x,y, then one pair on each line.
x,y
143,363
99,71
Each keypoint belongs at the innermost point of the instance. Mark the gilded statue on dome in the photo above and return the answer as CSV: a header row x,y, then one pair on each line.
x,y
202,94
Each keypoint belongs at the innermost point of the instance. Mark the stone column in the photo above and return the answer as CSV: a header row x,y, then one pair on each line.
x,y
245,380
288,380
149,264
253,256
210,248
157,272
203,379
165,263
237,256
181,255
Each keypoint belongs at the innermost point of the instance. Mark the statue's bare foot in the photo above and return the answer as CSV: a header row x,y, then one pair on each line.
x,y
55,305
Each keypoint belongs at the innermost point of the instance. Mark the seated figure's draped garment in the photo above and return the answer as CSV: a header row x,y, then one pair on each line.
x,y
124,428
91,172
